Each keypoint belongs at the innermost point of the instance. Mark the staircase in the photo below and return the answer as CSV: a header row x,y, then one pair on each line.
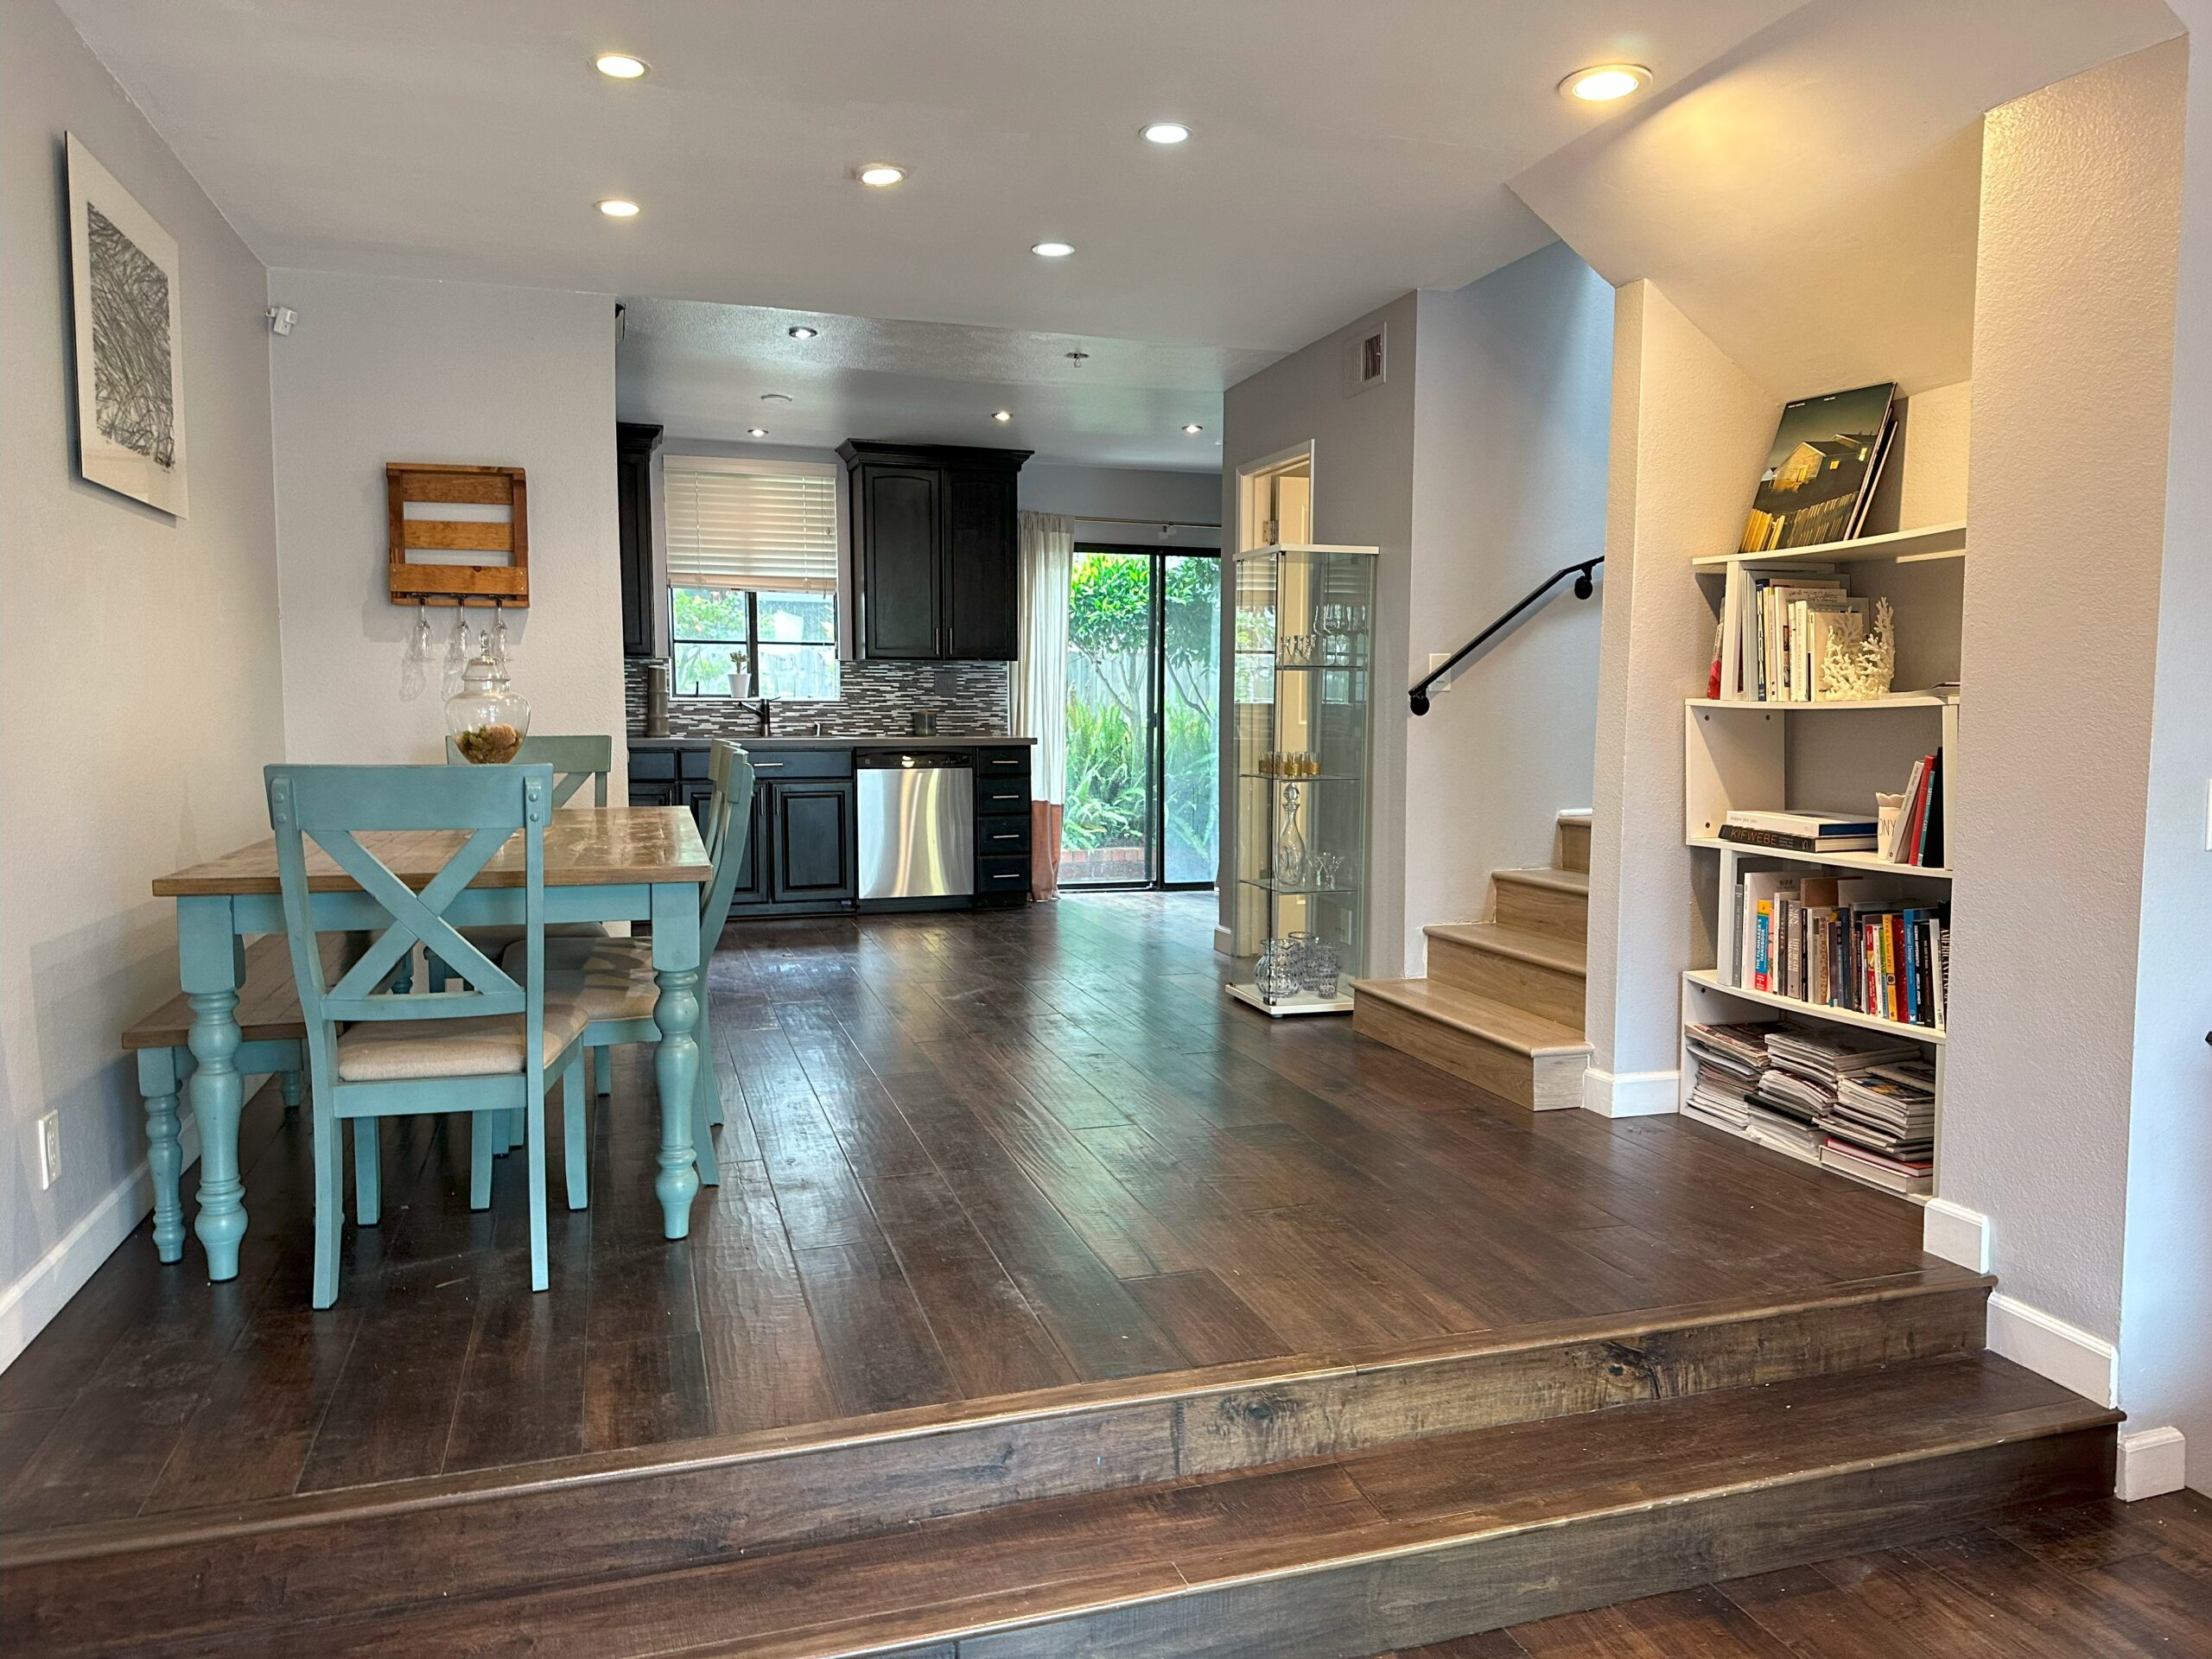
x,y
1501,1006
1296,1510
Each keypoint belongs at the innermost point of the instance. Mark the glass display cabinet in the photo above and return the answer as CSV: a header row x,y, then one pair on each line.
x,y
1303,701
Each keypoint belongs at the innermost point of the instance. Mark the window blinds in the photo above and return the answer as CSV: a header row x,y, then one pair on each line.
x,y
774,532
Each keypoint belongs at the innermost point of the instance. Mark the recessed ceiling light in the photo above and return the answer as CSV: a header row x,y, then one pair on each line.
x,y
1602,83
880,174
756,431
1003,415
620,66
1166,132
616,207
1052,250
802,331
1193,428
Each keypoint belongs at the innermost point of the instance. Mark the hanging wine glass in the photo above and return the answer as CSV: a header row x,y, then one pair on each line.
x,y
495,638
459,650
415,665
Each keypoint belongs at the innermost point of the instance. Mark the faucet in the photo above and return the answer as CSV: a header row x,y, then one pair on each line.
x,y
763,711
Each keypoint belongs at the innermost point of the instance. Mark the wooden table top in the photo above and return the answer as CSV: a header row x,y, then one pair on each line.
x,y
585,847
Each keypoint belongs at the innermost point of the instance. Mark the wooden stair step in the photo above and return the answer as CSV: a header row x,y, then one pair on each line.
x,y
1539,972
1574,840
1552,901
1396,1547
354,1554
1526,1058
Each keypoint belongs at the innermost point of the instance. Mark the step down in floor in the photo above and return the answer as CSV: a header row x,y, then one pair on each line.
x,y
1401,1546
233,1580
1519,1056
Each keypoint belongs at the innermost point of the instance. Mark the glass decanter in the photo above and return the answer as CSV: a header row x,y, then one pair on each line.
x,y
1292,862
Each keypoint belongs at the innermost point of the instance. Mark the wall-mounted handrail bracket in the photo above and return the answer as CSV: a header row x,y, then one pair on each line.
x,y
1585,585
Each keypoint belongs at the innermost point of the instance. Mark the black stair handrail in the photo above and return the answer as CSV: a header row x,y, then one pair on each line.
x,y
1584,587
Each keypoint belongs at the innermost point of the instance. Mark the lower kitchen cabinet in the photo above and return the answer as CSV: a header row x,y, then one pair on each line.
x,y
814,853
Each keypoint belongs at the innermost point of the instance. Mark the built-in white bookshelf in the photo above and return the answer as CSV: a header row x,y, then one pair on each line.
x,y
1741,753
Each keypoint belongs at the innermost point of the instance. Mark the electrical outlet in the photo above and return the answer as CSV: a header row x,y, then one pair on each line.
x,y
49,1150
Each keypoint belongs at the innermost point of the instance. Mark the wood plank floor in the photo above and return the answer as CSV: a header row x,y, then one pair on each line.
x,y
966,1155
2106,1580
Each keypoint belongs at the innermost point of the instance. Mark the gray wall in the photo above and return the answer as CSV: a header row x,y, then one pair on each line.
x,y
389,368
1362,497
2166,1296
1511,422
2066,472
141,681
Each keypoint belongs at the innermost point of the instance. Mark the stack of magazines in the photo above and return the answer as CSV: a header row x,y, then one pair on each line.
x,y
1800,1092
1882,1128
1730,1061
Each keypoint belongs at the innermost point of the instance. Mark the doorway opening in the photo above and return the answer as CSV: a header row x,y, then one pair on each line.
x,y
1144,718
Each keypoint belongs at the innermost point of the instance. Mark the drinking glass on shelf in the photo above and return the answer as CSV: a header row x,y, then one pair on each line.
x,y
1328,870
1321,964
1280,971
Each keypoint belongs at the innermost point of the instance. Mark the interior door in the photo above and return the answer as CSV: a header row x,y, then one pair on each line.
x,y
900,533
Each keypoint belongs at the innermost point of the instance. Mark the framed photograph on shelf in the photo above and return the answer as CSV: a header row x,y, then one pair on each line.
x,y
122,269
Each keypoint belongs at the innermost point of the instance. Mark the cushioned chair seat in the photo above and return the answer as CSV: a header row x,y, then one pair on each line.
x,y
492,1046
610,979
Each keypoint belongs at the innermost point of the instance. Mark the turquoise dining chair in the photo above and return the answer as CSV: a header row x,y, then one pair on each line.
x,y
485,1050
613,978
587,759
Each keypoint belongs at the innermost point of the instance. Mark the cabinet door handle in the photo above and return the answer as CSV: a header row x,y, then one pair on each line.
x,y
769,766
1006,838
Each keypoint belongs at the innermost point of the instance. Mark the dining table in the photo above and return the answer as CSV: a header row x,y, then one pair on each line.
x,y
602,864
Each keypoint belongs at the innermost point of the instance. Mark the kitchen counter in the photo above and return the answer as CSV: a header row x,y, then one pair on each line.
x,y
783,740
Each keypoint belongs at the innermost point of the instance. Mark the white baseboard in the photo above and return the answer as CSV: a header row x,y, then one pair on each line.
x,y
2150,1462
1225,942
34,1298
2068,1356
1955,1233
1631,1094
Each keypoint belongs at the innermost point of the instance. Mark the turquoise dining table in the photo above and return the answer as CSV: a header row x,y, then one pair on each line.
x,y
602,864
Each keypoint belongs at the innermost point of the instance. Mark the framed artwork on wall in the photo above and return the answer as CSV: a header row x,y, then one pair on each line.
x,y
130,346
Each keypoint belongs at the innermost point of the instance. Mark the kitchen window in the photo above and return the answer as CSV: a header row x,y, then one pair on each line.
x,y
752,572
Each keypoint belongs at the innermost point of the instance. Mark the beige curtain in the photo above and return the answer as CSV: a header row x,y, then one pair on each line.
x,y
1041,687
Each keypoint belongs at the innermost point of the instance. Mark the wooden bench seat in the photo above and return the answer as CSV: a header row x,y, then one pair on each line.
x,y
271,1032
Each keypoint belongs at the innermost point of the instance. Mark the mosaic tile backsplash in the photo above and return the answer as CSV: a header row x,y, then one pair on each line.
x,y
880,700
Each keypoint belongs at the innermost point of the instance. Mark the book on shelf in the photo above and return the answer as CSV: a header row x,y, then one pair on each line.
x,y
1911,1177
1801,832
1916,835
1842,942
1820,470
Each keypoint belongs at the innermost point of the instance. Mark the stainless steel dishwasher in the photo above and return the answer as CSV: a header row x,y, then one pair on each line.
x,y
917,823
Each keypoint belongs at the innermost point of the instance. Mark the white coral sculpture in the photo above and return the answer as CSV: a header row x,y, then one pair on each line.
x,y
1853,673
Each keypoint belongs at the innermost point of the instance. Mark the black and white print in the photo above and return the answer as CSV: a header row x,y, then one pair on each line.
x,y
130,405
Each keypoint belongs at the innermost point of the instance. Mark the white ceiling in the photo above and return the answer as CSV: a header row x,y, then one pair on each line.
x,y
1344,152
702,370
1810,199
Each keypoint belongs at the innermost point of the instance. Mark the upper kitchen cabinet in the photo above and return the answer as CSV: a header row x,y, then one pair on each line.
x,y
933,561
634,448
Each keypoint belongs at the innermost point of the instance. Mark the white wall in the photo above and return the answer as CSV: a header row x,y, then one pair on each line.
x,y
1511,422
1690,432
1362,497
382,369
2066,472
1186,499
140,682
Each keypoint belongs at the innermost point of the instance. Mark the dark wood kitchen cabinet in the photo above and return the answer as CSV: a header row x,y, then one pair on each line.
x,y
815,856
933,558
634,448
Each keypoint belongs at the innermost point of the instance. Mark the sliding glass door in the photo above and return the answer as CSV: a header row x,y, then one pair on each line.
x,y
1143,712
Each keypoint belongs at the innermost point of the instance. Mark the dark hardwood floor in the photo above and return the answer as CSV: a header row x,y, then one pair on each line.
x,y
965,1156
2106,1580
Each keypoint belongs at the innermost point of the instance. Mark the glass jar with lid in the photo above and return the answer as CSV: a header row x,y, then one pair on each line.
x,y
487,718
